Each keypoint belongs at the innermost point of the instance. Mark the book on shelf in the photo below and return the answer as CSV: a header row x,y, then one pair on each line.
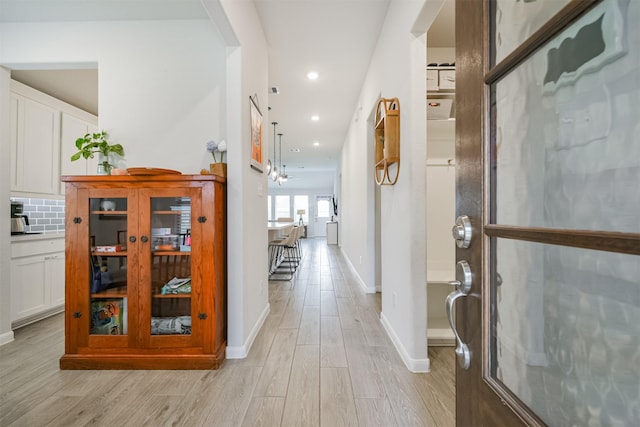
x,y
107,317
177,286
108,248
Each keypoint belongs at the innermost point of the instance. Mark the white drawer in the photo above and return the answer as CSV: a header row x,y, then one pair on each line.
x,y
432,80
447,79
25,248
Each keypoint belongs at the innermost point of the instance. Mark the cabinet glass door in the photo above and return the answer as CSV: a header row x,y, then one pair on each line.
x,y
171,266
108,288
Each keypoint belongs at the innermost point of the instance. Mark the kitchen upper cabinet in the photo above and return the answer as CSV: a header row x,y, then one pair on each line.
x,y
43,134
35,145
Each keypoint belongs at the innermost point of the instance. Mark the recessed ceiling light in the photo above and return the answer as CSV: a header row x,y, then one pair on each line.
x,y
316,144
312,75
315,118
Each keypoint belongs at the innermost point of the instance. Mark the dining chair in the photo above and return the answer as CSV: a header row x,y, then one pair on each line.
x,y
279,254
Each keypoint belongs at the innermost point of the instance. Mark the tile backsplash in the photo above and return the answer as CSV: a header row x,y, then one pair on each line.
x,y
45,215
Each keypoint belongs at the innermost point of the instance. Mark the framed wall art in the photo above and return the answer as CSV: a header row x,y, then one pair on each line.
x,y
256,134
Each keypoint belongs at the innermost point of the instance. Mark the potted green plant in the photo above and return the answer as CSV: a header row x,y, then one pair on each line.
x,y
93,143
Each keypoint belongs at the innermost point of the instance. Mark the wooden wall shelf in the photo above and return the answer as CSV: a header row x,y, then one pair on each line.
x,y
387,141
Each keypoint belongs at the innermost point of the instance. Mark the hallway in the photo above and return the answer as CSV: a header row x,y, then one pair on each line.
x,y
321,358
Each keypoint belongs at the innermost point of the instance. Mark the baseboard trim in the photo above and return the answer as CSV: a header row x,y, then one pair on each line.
x,y
37,317
413,365
440,337
6,338
367,289
240,352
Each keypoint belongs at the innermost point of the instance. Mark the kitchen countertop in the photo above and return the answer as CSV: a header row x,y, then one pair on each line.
x,y
41,236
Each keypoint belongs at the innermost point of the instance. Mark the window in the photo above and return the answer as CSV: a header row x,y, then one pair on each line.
x,y
324,206
301,202
283,207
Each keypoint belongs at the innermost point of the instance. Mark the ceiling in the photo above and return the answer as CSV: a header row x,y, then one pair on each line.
x,y
334,38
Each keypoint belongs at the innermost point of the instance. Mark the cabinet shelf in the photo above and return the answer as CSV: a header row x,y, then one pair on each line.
x,y
168,212
109,254
156,294
109,213
171,253
120,292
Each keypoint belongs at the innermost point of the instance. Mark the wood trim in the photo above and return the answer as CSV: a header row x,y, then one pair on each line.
x,y
122,179
625,243
549,30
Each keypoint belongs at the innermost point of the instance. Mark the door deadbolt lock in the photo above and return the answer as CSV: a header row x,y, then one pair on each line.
x,y
461,231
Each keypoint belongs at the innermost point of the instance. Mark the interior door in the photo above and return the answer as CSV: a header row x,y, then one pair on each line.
x,y
548,173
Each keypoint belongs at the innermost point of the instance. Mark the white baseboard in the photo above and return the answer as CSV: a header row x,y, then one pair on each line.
x,y
413,365
6,338
240,352
441,337
367,289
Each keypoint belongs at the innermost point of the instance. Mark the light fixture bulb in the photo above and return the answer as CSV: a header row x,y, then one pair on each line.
x,y
316,144
312,75
315,118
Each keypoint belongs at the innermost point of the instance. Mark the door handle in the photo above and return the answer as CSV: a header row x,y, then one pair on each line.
x,y
463,286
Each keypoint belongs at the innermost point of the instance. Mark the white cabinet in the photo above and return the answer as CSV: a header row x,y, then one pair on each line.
x,y
332,233
43,134
55,268
37,279
447,79
35,145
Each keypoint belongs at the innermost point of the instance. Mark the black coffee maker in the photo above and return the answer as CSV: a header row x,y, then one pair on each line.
x,y
19,222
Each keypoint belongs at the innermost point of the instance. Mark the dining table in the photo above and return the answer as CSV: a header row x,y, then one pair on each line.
x,y
276,229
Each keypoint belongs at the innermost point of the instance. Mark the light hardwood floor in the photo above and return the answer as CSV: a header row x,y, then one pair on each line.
x,y
321,358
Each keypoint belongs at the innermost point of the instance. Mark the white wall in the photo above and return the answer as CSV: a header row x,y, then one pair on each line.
x,y
161,83
165,88
247,65
6,335
396,70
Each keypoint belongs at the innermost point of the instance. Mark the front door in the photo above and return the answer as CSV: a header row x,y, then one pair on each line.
x,y
548,172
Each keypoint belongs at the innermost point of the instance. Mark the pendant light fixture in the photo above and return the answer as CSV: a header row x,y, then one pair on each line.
x,y
278,177
269,165
274,169
283,175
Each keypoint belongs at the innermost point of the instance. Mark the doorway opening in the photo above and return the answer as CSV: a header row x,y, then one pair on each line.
x,y
440,172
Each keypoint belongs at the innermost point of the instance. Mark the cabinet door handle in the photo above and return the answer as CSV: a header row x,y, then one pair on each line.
x,y
144,239
132,239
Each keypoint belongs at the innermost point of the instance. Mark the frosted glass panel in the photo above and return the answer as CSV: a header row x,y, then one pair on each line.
x,y
566,128
516,20
567,332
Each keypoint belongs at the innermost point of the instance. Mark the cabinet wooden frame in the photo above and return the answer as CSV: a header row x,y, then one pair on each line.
x,y
387,141
204,347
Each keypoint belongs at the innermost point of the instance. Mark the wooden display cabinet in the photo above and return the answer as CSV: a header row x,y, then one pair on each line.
x,y
145,272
